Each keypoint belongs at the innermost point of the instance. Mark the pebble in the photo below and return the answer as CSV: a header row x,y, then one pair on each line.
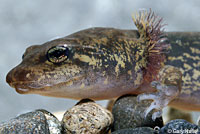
x,y
140,130
87,117
180,126
36,122
128,113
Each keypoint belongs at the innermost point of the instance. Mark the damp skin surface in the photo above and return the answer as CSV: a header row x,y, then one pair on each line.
x,y
105,63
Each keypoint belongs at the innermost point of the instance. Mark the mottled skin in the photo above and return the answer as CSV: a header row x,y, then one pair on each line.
x,y
105,63
185,55
101,62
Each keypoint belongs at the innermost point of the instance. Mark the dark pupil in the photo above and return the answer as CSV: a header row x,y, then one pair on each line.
x,y
58,53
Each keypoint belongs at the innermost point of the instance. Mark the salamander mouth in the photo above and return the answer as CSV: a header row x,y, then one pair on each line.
x,y
29,87
23,87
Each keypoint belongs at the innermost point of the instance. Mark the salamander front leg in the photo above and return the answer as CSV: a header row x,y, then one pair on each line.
x,y
168,87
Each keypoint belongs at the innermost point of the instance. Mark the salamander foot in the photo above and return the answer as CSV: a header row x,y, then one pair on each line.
x,y
168,87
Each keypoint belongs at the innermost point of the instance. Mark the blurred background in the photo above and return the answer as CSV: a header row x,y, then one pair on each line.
x,y
27,22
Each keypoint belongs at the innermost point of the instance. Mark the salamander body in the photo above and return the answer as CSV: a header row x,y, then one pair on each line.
x,y
105,63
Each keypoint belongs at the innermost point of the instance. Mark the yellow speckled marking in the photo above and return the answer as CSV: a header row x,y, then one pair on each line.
x,y
196,74
87,59
186,91
42,77
194,50
82,85
138,79
48,76
191,57
179,42
117,70
186,78
55,76
27,75
196,64
120,63
196,42
70,83
187,66
176,58
130,72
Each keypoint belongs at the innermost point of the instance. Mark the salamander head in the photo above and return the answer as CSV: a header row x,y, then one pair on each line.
x,y
75,65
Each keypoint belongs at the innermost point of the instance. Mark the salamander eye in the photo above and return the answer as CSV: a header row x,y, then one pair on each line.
x,y
57,54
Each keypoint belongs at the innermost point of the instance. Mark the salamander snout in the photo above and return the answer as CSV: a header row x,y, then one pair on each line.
x,y
18,78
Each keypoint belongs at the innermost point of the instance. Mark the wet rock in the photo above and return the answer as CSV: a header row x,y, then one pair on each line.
x,y
128,113
180,126
140,130
36,122
87,117
54,124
